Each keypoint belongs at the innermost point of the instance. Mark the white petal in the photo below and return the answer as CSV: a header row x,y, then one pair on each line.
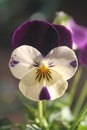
x,y
58,89
32,88
22,60
65,61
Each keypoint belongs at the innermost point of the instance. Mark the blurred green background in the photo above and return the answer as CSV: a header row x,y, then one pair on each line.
x,y
12,14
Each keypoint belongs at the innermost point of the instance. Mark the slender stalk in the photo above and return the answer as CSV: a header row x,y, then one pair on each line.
x,y
40,112
80,99
74,85
79,118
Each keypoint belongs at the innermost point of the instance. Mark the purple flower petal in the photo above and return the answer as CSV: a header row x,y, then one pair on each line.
x,y
44,94
83,56
41,35
65,36
79,34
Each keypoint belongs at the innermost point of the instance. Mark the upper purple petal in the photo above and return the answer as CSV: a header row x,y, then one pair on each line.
x,y
83,56
65,36
41,35
79,34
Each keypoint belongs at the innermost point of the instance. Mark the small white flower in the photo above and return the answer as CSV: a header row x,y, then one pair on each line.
x,y
43,78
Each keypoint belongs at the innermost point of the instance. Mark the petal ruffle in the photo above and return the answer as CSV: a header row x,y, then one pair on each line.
x,y
41,35
43,90
22,60
64,61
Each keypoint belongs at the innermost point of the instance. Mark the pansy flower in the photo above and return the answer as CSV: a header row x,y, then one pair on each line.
x,y
79,34
39,60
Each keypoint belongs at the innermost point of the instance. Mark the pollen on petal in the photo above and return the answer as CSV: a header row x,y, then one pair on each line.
x,y
44,94
73,63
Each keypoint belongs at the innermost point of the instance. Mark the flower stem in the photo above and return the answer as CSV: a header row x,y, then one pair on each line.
x,y
74,85
40,112
80,99
79,118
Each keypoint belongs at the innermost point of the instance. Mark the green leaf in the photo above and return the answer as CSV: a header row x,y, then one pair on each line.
x,y
32,127
82,127
5,124
79,118
83,124
6,127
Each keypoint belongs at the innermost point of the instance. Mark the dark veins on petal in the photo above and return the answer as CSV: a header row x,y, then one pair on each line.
x,y
44,94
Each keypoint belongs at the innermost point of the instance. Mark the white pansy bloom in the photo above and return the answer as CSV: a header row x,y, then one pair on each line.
x,y
43,78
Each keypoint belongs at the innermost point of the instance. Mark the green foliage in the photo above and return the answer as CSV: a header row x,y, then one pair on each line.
x,y
57,116
83,124
32,127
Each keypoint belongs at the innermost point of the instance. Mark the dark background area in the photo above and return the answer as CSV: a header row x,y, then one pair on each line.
x,y
12,14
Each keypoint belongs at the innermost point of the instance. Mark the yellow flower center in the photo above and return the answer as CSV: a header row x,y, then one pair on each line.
x,y
43,71
43,68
